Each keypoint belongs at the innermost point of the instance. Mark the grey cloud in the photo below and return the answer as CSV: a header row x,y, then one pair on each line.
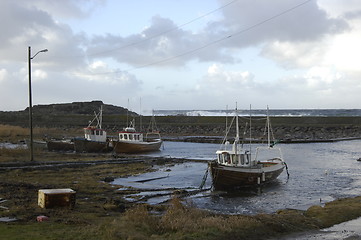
x,y
353,14
161,43
31,26
307,22
65,8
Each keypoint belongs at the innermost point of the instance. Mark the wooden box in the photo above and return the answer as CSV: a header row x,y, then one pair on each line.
x,y
49,198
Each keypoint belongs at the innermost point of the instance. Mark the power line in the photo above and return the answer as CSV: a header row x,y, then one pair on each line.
x,y
161,33
213,42
164,32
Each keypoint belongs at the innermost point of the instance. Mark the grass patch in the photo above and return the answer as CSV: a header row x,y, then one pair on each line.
x,y
102,213
335,212
14,134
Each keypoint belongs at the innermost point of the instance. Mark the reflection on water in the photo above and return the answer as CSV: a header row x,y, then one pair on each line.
x,y
13,145
319,172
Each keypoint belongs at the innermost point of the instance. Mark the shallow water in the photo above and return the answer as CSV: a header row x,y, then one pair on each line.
x,y
13,145
348,231
319,172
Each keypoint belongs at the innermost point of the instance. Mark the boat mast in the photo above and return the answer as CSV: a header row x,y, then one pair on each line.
x,y
140,115
268,128
101,117
128,114
236,140
237,125
226,118
250,128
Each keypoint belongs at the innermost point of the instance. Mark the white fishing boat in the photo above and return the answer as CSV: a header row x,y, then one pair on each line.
x,y
95,138
131,141
237,167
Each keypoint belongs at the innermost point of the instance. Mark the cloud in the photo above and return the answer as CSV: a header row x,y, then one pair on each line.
x,y
217,76
305,23
312,49
291,55
3,75
66,8
39,75
161,44
99,72
31,26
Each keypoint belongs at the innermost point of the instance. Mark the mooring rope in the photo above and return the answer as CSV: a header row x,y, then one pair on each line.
x,y
204,179
288,174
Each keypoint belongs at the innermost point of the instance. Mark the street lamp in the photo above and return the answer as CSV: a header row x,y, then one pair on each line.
x,y
31,104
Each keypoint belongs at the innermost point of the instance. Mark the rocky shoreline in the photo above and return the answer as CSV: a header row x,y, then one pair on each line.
x,y
72,117
295,134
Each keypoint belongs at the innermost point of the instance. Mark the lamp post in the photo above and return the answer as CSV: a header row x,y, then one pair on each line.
x,y
31,104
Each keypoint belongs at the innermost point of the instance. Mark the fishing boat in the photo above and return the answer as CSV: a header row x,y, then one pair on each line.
x,y
62,145
37,144
237,167
131,141
95,138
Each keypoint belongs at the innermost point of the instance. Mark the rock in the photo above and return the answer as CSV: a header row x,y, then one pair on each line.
x,y
108,179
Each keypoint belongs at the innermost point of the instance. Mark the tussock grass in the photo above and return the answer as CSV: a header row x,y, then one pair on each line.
x,y
181,221
9,133
13,155
12,132
336,211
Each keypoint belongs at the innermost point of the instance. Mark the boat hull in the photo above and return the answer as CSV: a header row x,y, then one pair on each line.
x,y
37,144
136,147
227,177
84,145
64,146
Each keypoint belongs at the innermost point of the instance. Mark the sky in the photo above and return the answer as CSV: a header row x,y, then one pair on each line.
x,y
171,54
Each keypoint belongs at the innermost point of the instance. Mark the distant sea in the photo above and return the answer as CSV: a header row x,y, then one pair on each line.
x,y
263,112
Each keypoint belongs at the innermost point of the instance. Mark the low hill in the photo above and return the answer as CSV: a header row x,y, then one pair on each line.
x,y
73,114
79,108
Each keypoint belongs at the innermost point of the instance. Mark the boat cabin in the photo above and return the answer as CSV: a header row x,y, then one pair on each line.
x,y
230,158
95,134
129,134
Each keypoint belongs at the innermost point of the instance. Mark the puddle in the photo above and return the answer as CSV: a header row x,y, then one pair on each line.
x,y
13,145
159,186
7,219
180,176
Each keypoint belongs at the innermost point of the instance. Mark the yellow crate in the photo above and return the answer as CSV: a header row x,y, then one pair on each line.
x,y
49,198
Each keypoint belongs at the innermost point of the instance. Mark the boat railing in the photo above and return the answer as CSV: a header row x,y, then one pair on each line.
x,y
277,154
